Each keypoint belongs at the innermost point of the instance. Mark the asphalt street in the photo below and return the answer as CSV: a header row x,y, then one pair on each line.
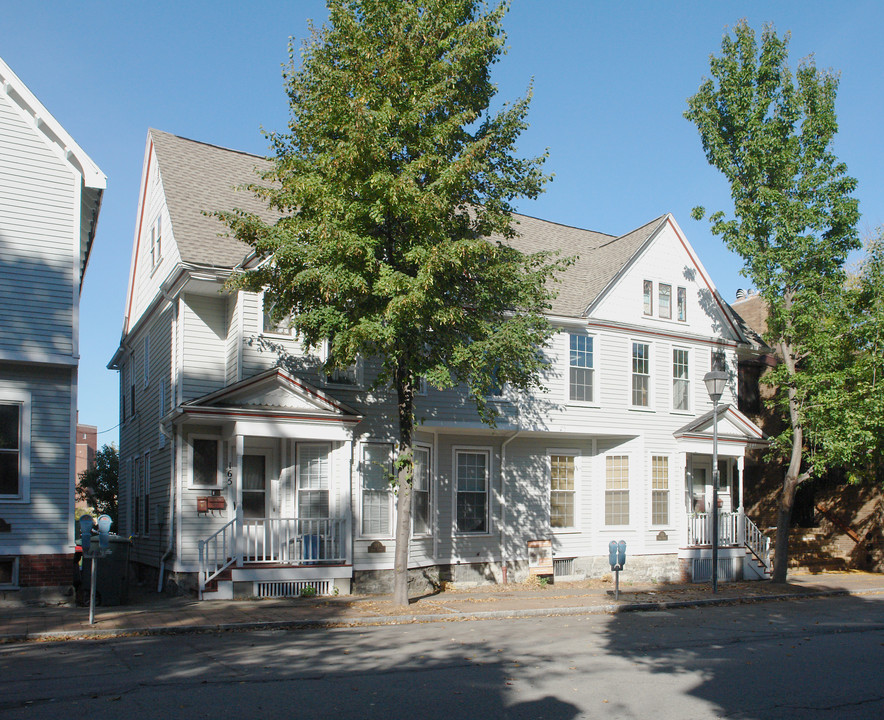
x,y
809,658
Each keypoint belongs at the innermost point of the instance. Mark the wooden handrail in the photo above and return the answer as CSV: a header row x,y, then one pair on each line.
x,y
846,529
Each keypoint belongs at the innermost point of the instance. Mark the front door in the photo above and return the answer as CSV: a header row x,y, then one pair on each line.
x,y
701,484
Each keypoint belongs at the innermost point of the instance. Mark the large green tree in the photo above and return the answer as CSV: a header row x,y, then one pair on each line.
x,y
769,132
99,486
394,183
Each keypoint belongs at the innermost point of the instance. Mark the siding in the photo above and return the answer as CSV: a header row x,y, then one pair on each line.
x,y
45,524
39,224
205,337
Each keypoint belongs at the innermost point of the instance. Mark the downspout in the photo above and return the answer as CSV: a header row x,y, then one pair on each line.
x,y
503,529
172,445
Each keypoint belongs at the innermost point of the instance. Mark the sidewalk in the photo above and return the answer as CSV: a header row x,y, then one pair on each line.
x,y
159,615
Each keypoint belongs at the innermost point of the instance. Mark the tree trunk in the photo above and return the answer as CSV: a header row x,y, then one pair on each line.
x,y
405,464
794,477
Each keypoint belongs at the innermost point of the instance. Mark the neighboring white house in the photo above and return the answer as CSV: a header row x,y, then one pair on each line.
x,y
244,466
50,196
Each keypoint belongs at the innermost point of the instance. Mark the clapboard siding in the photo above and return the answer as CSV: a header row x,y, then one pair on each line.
x,y
45,523
39,226
205,338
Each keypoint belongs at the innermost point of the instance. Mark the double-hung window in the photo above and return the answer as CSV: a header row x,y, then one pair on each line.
x,y
562,491
617,490
313,480
659,490
377,494
14,446
420,492
581,368
681,380
472,482
641,374
145,497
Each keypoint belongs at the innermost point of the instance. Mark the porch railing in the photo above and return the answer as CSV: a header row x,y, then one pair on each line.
x,y
298,541
216,554
734,528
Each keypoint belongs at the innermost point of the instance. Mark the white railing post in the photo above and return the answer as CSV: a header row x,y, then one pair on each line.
x,y
237,536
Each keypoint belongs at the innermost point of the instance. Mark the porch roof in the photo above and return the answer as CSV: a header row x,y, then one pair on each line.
x,y
272,395
735,431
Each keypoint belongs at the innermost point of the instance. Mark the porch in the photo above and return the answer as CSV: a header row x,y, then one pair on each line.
x,y
744,551
294,549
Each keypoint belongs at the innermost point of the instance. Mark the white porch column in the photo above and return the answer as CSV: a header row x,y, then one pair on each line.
x,y
740,463
741,522
239,445
346,510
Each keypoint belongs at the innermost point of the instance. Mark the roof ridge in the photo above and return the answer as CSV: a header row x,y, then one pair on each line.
x,y
207,144
564,225
635,230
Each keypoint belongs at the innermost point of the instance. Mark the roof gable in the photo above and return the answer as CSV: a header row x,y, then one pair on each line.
x,y
731,425
667,261
275,391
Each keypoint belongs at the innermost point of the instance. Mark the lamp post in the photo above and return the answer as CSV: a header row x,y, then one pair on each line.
x,y
715,382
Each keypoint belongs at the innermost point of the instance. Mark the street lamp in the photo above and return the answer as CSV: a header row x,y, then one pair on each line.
x,y
715,383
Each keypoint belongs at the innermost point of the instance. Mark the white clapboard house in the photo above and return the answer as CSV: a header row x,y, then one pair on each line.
x,y
50,196
247,472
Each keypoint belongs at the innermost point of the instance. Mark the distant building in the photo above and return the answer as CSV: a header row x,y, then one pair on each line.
x,y
50,197
87,444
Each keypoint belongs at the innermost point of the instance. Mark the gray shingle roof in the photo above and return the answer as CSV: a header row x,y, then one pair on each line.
x,y
198,177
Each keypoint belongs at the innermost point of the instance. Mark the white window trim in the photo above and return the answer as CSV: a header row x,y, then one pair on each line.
x,y
650,407
489,514
287,334
23,400
578,468
431,496
690,408
190,481
15,572
392,502
596,346
670,465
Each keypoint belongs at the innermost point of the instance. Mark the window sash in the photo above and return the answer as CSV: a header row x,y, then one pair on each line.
x,y
641,374
681,383
659,490
471,514
420,492
377,494
10,449
562,496
616,490
313,480
204,461
581,373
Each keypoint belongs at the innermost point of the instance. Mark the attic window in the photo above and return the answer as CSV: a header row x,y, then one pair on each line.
x,y
682,305
156,241
648,297
665,304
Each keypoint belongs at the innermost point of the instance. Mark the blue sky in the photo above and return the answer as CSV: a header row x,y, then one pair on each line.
x,y
610,84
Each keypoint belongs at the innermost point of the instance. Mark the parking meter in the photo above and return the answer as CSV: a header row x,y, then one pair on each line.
x,y
86,533
612,554
104,525
621,550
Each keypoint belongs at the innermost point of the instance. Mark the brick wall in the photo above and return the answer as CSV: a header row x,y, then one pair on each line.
x,y
45,570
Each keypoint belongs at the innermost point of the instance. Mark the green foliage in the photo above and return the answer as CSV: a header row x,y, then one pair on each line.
x,y
769,132
849,382
390,180
99,485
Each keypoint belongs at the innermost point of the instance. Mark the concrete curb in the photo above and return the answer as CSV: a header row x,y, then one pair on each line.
x,y
598,609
